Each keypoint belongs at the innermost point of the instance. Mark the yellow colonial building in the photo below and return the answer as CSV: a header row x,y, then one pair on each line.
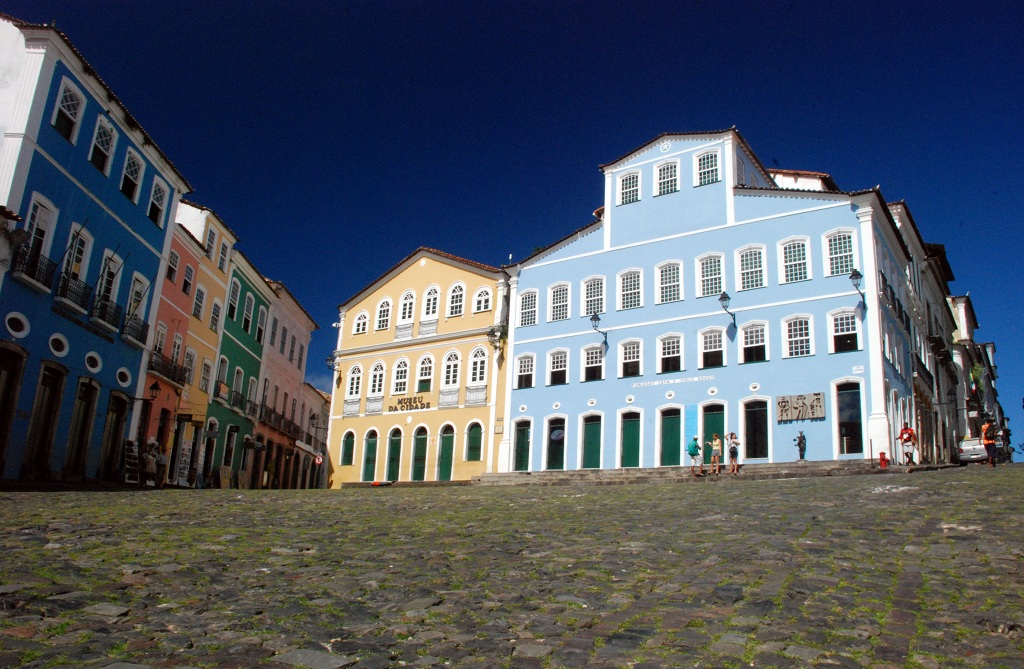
x,y
419,373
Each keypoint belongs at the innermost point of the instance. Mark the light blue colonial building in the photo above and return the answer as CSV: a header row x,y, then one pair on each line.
x,y
710,295
95,198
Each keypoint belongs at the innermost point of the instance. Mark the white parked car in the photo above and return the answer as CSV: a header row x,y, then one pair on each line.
x,y
971,450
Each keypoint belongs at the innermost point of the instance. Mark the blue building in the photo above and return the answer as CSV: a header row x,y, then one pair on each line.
x,y
96,199
710,295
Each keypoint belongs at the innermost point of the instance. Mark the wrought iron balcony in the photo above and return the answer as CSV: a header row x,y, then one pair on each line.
x,y
107,313
165,367
251,408
33,268
135,331
237,400
75,293
221,391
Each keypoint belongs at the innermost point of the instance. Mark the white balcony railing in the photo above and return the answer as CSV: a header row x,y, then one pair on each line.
x,y
476,395
351,407
448,398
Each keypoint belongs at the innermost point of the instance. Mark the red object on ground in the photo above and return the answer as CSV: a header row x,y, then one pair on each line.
x,y
883,462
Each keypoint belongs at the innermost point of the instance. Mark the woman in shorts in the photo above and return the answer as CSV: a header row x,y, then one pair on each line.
x,y
716,454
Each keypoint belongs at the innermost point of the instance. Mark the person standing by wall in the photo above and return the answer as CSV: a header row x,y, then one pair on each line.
x,y
716,453
988,438
693,449
734,453
908,441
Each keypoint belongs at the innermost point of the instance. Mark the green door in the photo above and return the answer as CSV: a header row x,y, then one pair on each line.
x,y
394,455
556,444
714,423
630,439
474,442
370,457
419,455
592,442
521,454
671,433
444,465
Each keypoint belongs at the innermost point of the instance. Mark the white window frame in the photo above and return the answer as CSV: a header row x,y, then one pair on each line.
x,y
785,334
199,301
103,121
639,356
658,289
738,266
620,294
160,338
482,300
354,382
360,324
131,153
854,250
426,361
844,311
406,304
633,191
658,180
261,324
79,235
134,303
699,268
451,371
456,289
781,257
234,292
378,375
522,361
50,228
211,242
566,305
551,365
741,341
173,259
700,343
250,305
158,183
698,172
110,260
478,360
205,375
222,258
599,348
176,344
528,316
67,83
216,315
431,303
382,319
188,279
401,365
659,353
584,310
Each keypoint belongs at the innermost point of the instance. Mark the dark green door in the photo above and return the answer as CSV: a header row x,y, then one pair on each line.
x,y
630,439
419,455
474,442
714,423
556,444
444,465
521,454
592,442
671,433
394,455
370,457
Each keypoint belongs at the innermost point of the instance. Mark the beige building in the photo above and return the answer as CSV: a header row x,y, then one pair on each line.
x,y
419,373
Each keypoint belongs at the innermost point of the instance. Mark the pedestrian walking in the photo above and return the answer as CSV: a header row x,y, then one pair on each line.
x,y
161,467
149,464
734,453
693,449
908,440
801,444
988,438
716,453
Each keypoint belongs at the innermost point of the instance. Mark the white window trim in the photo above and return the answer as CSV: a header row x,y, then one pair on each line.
x,y
658,284
103,120
476,299
738,269
583,362
167,194
353,371
780,257
444,370
618,288
355,323
830,316
700,345
142,173
383,379
448,306
412,312
419,368
515,370
195,292
65,82
536,308
583,294
547,430
621,354
826,258
469,368
682,351
767,340
220,313
785,334
51,228
376,315
643,423
426,295
81,233
110,257
697,272
696,166
639,186
551,301
656,186
549,367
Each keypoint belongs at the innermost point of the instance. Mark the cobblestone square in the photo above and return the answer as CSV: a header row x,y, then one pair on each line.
x,y
898,570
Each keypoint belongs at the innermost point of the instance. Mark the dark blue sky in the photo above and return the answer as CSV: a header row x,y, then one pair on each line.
x,y
336,137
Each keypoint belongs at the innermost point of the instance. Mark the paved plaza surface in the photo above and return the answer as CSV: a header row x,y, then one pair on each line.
x,y
922,569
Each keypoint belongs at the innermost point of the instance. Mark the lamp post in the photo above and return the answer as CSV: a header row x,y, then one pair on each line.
x,y
724,300
856,278
595,321
495,337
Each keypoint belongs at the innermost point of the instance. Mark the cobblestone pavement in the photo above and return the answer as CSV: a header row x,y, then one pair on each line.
x,y
900,570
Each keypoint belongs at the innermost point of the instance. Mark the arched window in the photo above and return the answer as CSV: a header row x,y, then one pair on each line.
x,y
668,178
524,371
629,290
383,315
478,367
359,328
424,374
751,263
348,447
712,352
451,370
474,442
798,337
670,282
400,381
405,311
355,381
710,268
430,301
456,300
840,253
376,380
482,300
629,188
528,308
593,296
558,302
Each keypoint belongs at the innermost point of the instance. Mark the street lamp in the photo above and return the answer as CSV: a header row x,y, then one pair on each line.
x,y
154,390
494,337
595,321
856,278
724,300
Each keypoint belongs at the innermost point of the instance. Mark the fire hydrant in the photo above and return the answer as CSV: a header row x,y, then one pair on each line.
x,y
883,461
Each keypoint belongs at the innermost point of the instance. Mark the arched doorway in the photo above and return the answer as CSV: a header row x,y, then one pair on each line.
x,y
419,454
43,426
83,415
111,452
446,455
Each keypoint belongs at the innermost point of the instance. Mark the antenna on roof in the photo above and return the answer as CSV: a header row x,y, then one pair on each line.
x,y
510,257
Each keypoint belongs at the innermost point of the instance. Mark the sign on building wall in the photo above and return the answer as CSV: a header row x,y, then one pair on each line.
x,y
800,407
